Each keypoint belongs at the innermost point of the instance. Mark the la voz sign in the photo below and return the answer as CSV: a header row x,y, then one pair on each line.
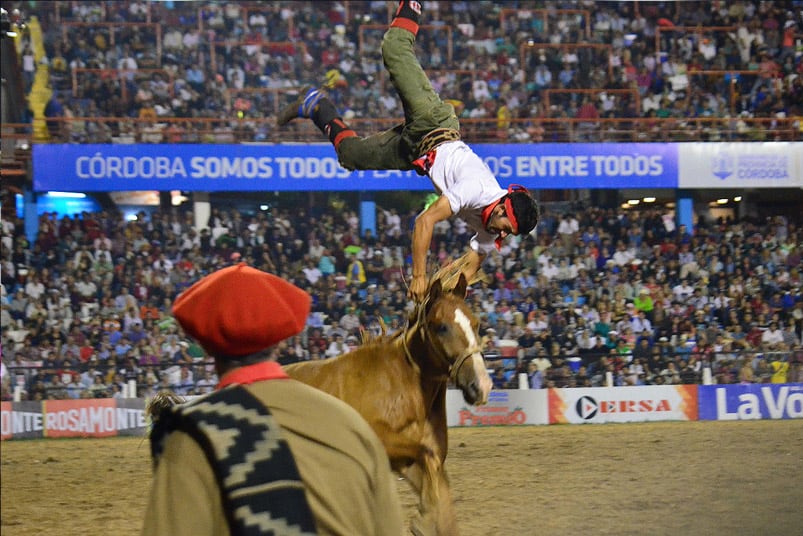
x,y
751,402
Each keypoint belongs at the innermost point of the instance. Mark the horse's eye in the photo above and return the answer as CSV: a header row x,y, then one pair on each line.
x,y
442,329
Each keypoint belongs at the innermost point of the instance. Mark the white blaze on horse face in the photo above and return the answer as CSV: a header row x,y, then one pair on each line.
x,y
477,362
462,320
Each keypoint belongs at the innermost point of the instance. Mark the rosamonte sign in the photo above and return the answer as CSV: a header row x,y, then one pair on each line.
x,y
103,417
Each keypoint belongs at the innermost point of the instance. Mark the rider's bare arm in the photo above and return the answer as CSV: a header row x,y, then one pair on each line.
x,y
422,233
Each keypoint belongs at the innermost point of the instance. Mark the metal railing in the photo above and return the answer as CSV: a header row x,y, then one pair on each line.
x,y
485,130
24,378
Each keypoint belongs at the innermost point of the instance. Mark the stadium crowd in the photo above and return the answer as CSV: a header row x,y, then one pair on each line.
x,y
86,305
235,62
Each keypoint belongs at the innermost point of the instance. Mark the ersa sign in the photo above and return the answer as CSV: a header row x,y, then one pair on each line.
x,y
751,402
622,404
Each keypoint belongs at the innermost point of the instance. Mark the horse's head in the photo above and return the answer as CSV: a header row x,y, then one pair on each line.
x,y
452,332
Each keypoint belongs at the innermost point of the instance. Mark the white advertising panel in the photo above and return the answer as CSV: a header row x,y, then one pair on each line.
x,y
740,165
504,408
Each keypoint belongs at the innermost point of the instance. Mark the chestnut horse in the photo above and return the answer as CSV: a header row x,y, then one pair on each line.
x,y
398,384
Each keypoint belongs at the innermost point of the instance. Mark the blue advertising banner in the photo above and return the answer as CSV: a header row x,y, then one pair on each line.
x,y
750,401
305,167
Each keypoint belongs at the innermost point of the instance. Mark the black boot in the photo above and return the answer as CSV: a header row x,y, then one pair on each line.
x,y
407,16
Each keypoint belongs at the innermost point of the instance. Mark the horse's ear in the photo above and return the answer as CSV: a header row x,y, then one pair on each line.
x,y
435,290
461,288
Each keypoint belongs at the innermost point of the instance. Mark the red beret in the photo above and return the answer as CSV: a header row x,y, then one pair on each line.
x,y
240,310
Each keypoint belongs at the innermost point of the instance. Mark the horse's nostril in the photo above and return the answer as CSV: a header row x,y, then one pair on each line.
x,y
470,393
474,393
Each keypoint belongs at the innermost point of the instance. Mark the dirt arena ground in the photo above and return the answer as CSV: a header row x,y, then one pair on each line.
x,y
709,479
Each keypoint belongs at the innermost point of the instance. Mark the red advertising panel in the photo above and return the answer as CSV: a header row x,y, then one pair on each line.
x,y
80,418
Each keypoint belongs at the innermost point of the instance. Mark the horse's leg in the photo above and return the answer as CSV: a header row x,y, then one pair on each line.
x,y
446,519
401,449
445,516
436,516
425,522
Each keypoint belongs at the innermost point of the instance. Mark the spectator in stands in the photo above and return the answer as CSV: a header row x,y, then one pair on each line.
x,y
772,339
355,272
671,374
535,376
337,346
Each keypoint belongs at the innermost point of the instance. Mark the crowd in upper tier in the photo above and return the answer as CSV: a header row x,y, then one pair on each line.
x,y
493,60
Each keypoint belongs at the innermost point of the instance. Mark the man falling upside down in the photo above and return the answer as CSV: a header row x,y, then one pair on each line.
x,y
429,142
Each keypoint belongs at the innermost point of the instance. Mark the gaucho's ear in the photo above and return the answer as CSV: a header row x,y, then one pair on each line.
x,y
461,288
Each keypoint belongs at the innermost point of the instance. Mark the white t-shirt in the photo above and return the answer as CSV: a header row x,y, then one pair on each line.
x,y
772,336
460,174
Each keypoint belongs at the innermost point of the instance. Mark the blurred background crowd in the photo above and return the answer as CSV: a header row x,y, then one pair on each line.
x,y
594,290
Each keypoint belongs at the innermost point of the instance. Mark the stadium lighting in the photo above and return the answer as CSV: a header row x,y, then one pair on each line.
x,y
176,198
737,198
263,207
649,200
67,195
722,201
633,202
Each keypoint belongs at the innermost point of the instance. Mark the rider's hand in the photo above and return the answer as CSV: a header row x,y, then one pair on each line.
x,y
418,288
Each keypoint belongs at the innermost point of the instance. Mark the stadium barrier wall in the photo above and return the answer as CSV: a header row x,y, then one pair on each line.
x,y
106,417
93,417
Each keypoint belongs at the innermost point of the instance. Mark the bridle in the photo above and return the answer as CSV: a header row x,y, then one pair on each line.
x,y
452,368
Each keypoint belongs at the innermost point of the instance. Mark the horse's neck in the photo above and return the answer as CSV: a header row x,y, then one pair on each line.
x,y
431,380
421,353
